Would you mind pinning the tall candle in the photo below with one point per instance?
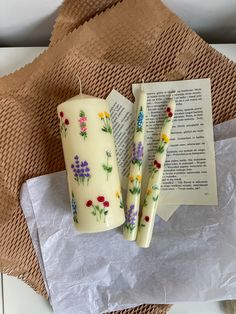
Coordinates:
(91, 165)
(135, 175)
(149, 209)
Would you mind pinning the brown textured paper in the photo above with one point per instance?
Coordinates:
(128, 42)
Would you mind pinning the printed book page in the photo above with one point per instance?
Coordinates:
(190, 176)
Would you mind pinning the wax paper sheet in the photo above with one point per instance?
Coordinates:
(191, 257)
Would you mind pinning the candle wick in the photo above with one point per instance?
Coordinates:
(80, 85)
(142, 87)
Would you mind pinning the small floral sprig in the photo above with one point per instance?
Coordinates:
(107, 167)
(164, 140)
(64, 122)
(99, 210)
(169, 115)
(136, 182)
(140, 120)
(119, 196)
(81, 170)
(74, 208)
(106, 119)
(137, 154)
(153, 192)
(149, 191)
(156, 167)
(82, 124)
(130, 218)
(143, 221)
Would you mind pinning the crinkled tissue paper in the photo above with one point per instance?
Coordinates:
(191, 258)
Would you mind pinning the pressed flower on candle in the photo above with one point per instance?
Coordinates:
(74, 208)
(81, 170)
(140, 120)
(130, 218)
(119, 196)
(169, 114)
(137, 154)
(64, 122)
(143, 221)
(136, 186)
(99, 210)
(83, 125)
(163, 141)
(155, 194)
(156, 167)
(101, 199)
(106, 166)
(106, 119)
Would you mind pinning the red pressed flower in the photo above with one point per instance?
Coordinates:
(170, 114)
(158, 165)
(147, 218)
(101, 198)
(89, 203)
(61, 114)
(106, 204)
(168, 109)
(66, 121)
(155, 162)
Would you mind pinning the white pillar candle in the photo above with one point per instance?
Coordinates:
(135, 175)
(90, 159)
(149, 209)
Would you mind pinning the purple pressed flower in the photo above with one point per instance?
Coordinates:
(137, 154)
(130, 216)
(80, 172)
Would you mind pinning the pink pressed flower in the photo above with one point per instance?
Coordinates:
(84, 129)
(82, 119)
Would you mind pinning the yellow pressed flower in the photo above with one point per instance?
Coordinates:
(107, 114)
(101, 115)
(117, 194)
(165, 138)
(131, 178)
(149, 191)
(139, 178)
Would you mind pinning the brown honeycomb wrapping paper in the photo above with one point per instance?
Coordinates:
(128, 41)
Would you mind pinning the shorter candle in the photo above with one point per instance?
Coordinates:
(149, 209)
(135, 175)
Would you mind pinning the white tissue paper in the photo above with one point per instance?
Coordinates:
(191, 258)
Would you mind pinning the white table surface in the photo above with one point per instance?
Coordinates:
(18, 298)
